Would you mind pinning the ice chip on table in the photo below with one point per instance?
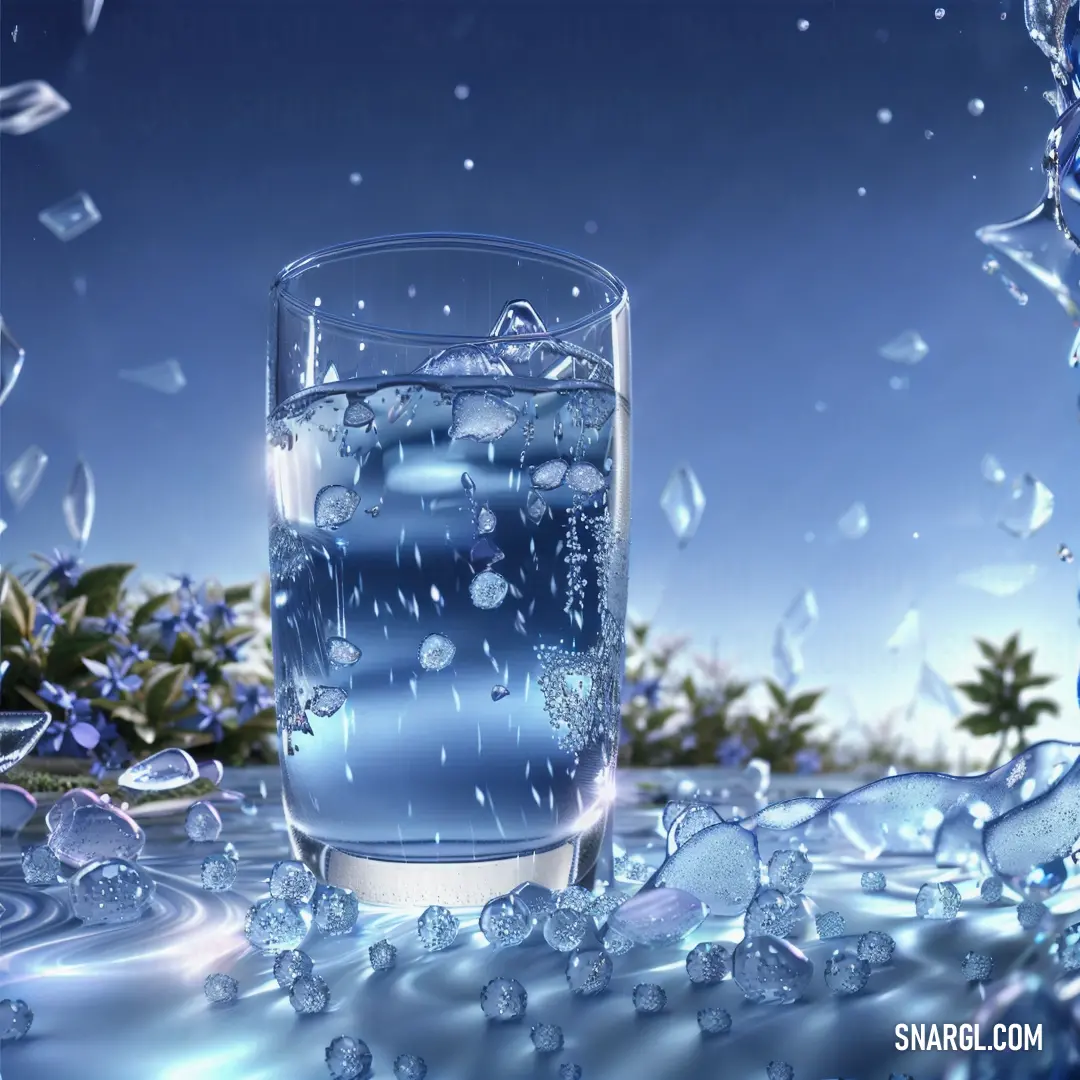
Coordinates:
(358, 413)
(40, 866)
(22, 476)
(217, 873)
(480, 416)
(1037, 832)
(547, 1038)
(96, 831)
(933, 689)
(166, 377)
(855, 522)
(905, 348)
(977, 967)
(17, 807)
(846, 972)
(505, 921)
(91, 12)
(220, 989)
(19, 734)
(549, 475)
(27, 106)
(409, 1067)
(658, 916)
(309, 995)
(503, 999)
(326, 700)
(875, 947)
(683, 503)
(588, 971)
(70, 217)
(437, 928)
(488, 590)
(272, 926)
(468, 360)
(830, 924)
(771, 912)
(518, 318)
(719, 866)
(770, 970)
(293, 881)
(110, 891)
(789, 871)
(348, 1058)
(12, 358)
(79, 503)
(713, 1021)
(436, 652)
(163, 771)
(202, 823)
(649, 998)
(342, 652)
(585, 478)
(336, 910)
(1030, 507)
(334, 506)
(289, 965)
(1005, 579)
(937, 900)
(906, 634)
(708, 963)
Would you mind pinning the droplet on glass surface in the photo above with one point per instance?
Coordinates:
(272, 926)
(163, 771)
(976, 106)
(336, 910)
(19, 734)
(12, 359)
(342, 651)
(683, 503)
(70, 217)
(348, 1058)
(217, 873)
(95, 832)
(436, 652)
(220, 989)
(293, 881)
(518, 318)
(334, 506)
(22, 476)
(39, 865)
(535, 507)
(326, 700)
(905, 348)
(708, 963)
(588, 971)
(1029, 508)
(505, 921)
(855, 522)
(16, 1018)
(202, 823)
(382, 955)
(585, 478)
(884, 116)
(358, 413)
(488, 590)
(27, 106)
(771, 970)
(498, 692)
(479, 360)
(504, 999)
(649, 998)
(289, 965)
(937, 900)
(110, 891)
(480, 416)
(547, 1038)
(437, 928)
(166, 377)
(658, 916)
(549, 475)
(718, 866)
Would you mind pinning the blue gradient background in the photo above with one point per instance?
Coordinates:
(718, 150)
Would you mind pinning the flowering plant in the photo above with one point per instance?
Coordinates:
(126, 671)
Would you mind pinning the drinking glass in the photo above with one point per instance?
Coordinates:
(449, 433)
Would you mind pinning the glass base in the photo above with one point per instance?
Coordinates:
(455, 884)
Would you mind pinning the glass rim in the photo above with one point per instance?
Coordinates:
(280, 293)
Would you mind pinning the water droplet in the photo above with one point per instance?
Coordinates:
(855, 522)
(658, 916)
(505, 921)
(342, 652)
(498, 692)
(488, 590)
(163, 771)
(976, 106)
(78, 504)
(334, 506)
(272, 926)
(1029, 508)
(326, 700)
(905, 348)
(884, 116)
(202, 823)
(549, 475)
(112, 891)
(683, 503)
(436, 652)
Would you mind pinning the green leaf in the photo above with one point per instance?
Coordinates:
(805, 703)
(162, 689)
(18, 608)
(977, 692)
(39, 703)
(238, 594)
(989, 651)
(148, 609)
(776, 692)
(102, 586)
(981, 724)
(129, 714)
(67, 648)
(73, 612)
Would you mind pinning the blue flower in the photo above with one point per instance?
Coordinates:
(689, 742)
(198, 686)
(221, 613)
(76, 732)
(192, 613)
(60, 569)
(185, 583)
(169, 626)
(114, 676)
(46, 623)
(649, 689)
(231, 652)
(251, 698)
(208, 718)
(116, 624)
(134, 653)
(807, 761)
(732, 752)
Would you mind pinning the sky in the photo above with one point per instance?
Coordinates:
(716, 152)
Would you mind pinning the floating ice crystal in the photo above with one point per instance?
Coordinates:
(875, 947)
(547, 1038)
(906, 633)
(166, 377)
(19, 734)
(708, 963)
(683, 503)
(505, 921)
(535, 507)
(768, 969)
(791, 632)
(347, 1058)
(1030, 507)
(518, 318)
(382, 955)
(78, 504)
(27, 106)
(846, 972)
(436, 652)
(22, 476)
(649, 998)
(437, 928)
(16, 1017)
(503, 999)
(855, 522)
(789, 871)
(977, 967)
(289, 965)
(937, 900)
(992, 471)
(111, 891)
(220, 989)
(218, 873)
(585, 478)
(488, 590)
(70, 217)
(714, 1021)
(905, 348)
(549, 475)
(336, 910)
(292, 881)
(485, 521)
(466, 360)
(358, 413)
(565, 929)
(342, 652)
(480, 416)
(326, 700)
(999, 580)
(334, 506)
(658, 916)
(12, 359)
(272, 926)
(498, 692)
(202, 823)
(163, 771)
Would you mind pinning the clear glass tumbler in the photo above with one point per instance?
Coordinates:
(449, 439)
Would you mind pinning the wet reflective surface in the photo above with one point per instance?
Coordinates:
(127, 1001)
